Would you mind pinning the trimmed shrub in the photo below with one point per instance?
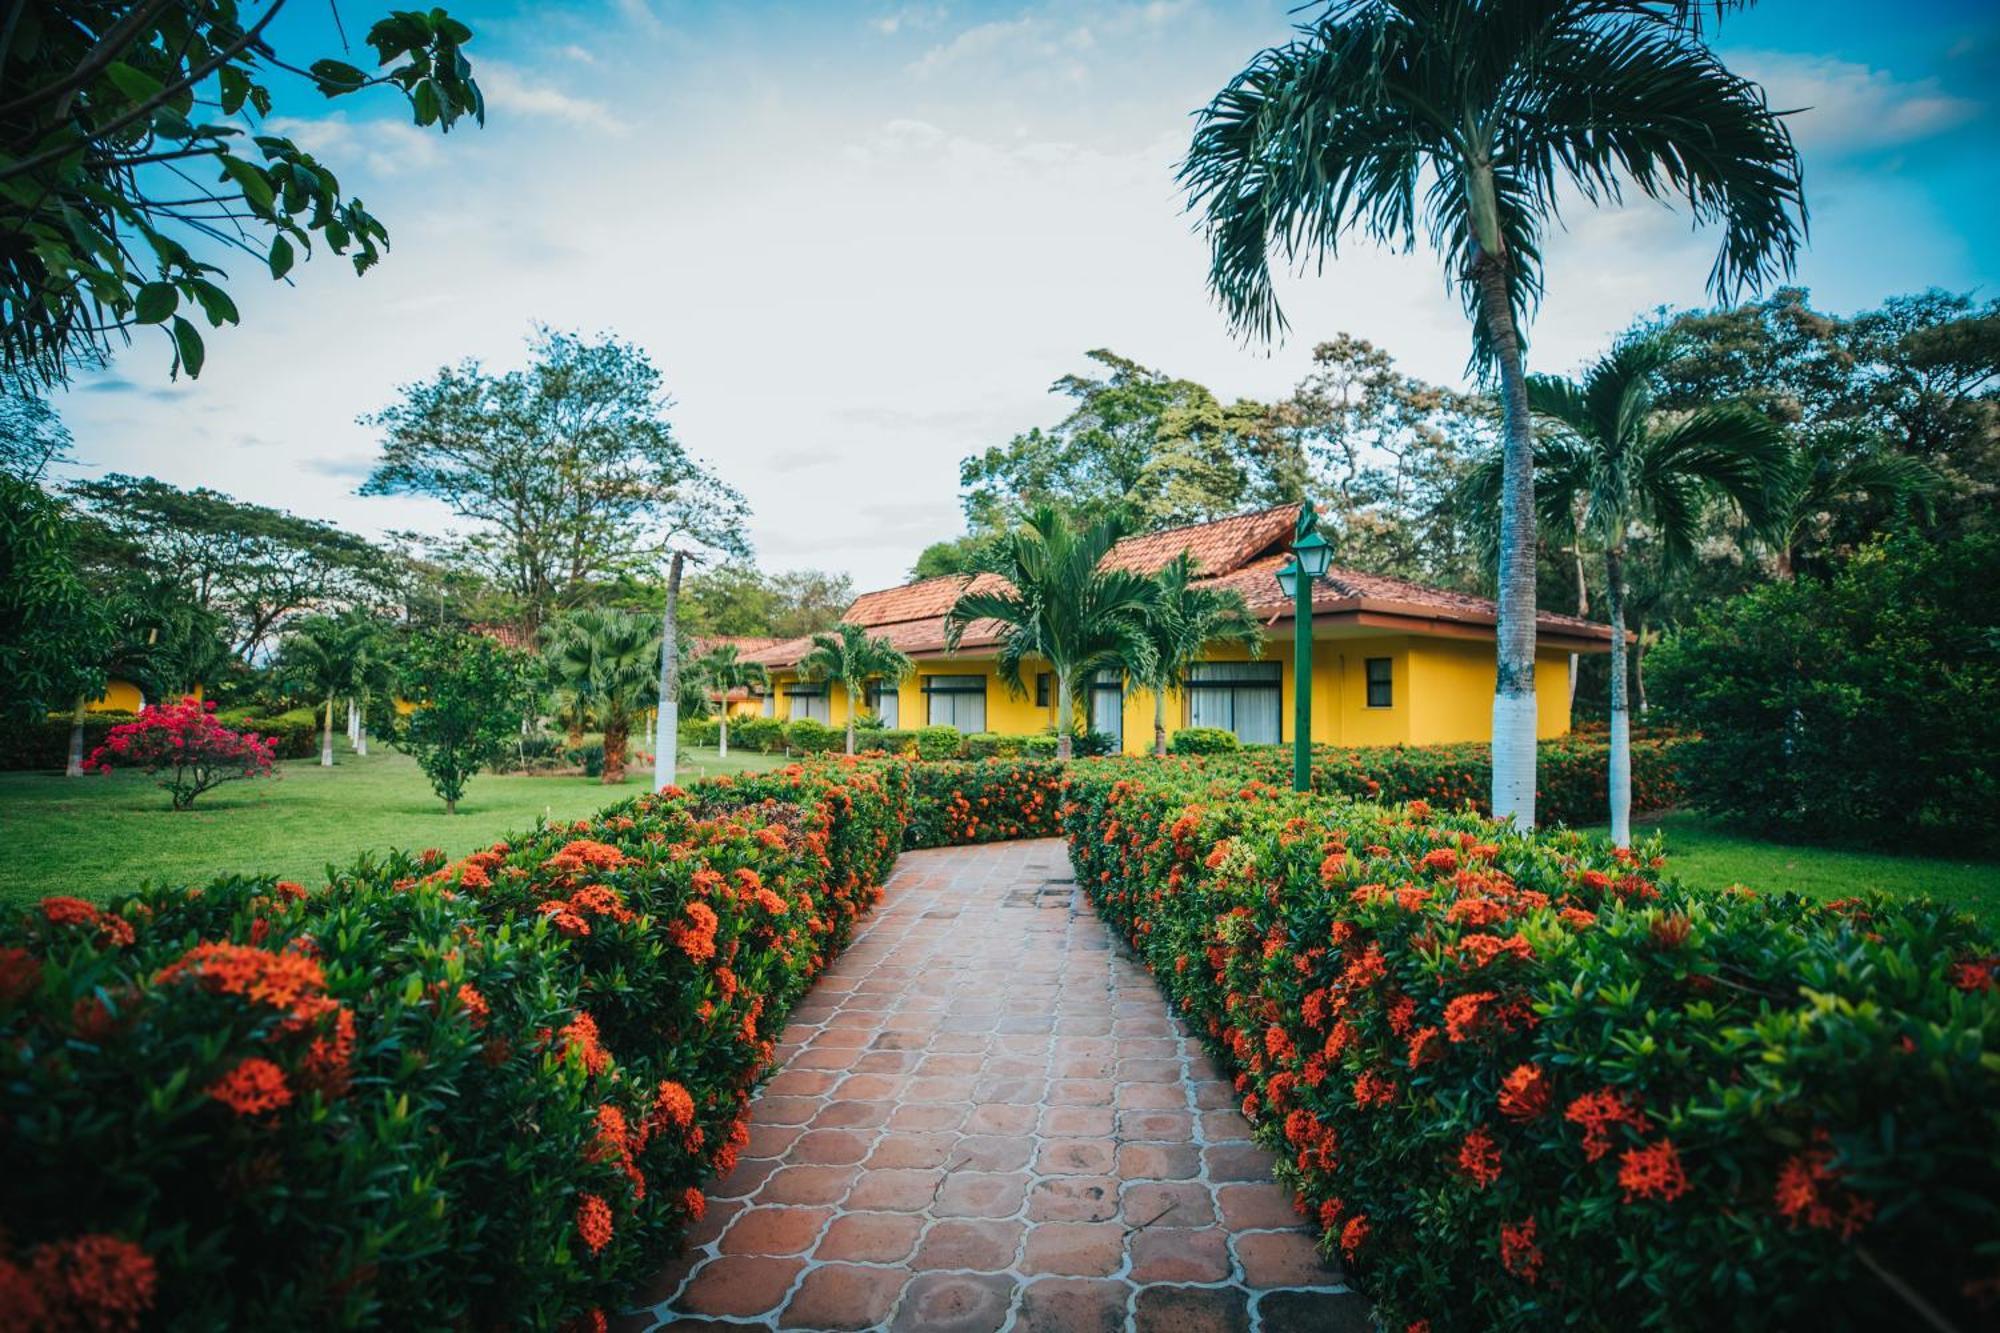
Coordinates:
(1203, 740)
(809, 736)
(939, 742)
(952, 804)
(43, 743)
(888, 740)
(704, 733)
(588, 756)
(1524, 1082)
(1038, 747)
(765, 735)
(992, 745)
(1861, 708)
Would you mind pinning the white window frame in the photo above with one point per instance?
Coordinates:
(962, 700)
(800, 702)
(1216, 701)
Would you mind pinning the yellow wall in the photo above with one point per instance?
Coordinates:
(120, 696)
(1441, 690)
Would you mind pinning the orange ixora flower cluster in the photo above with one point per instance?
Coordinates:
(1479, 1158)
(1519, 1254)
(109, 929)
(288, 982)
(1524, 1093)
(1597, 1112)
(98, 1283)
(695, 934)
(1652, 1172)
(254, 1087)
(593, 1222)
(1808, 1191)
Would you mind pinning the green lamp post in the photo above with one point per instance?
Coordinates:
(1310, 557)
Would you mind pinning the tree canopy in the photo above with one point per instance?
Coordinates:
(136, 149)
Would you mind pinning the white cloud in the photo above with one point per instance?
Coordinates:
(382, 147)
(1846, 108)
(509, 91)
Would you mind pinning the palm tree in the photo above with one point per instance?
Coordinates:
(723, 669)
(372, 670)
(1609, 467)
(1182, 619)
(605, 661)
(1463, 120)
(317, 655)
(1820, 476)
(853, 657)
(1062, 607)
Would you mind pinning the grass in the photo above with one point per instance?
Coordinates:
(1705, 852)
(100, 835)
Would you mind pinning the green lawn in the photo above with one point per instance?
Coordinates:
(1702, 851)
(98, 835)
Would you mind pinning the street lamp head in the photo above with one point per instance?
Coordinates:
(1288, 579)
(1312, 554)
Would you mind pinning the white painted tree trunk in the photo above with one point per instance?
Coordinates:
(1064, 717)
(74, 768)
(326, 737)
(1621, 715)
(361, 727)
(853, 706)
(1513, 795)
(722, 743)
(666, 727)
(353, 725)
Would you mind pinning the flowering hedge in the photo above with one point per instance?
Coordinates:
(479, 1093)
(954, 803)
(1525, 1082)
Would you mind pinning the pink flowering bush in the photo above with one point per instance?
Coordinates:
(183, 742)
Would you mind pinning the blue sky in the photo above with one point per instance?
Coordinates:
(860, 240)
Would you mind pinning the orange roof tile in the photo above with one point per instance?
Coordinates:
(1218, 547)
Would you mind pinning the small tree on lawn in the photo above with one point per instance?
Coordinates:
(607, 660)
(723, 670)
(853, 657)
(183, 741)
(470, 693)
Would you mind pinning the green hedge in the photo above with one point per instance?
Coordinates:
(1525, 1082)
(808, 736)
(1204, 740)
(476, 1094)
(43, 744)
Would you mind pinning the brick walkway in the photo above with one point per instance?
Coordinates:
(988, 1119)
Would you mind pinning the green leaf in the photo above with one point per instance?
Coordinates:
(281, 257)
(235, 89)
(136, 84)
(426, 101)
(336, 77)
(157, 300)
(252, 180)
(215, 303)
(187, 344)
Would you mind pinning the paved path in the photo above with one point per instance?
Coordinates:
(988, 1119)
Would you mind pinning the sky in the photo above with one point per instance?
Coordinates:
(861, 240)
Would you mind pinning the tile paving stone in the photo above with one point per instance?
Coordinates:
(986, 1119)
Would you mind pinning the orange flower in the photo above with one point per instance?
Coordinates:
(252, 1088)
(673, 1105)
(1519, 1254)
(1479, 1158)
(593, 1222)
(579, 1035)
(1462, 1014)
(1652, 1172)
(20, 975)
(1423, 1046)
(1597, 1112)
(1807, 1191)
(1354, 1235)
(102, 1283)
(475, 1005)
(695, 1204)
(1524, 1094)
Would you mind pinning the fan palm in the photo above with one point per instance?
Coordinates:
(1463, 120)
(723, 669)
(1182, 620)
(317, 655)
(1063, 607)
(850, 655)
(605, 661)
(1609, 467)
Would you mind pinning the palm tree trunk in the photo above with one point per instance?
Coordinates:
(666, 725)
(74, 768)
(852, 695)
(361, 727)
(1514, 678)
(1621, 717)
(722, 747)
(1160, 721)
(326, 737)
(1583, 613)
(1064, 718)
(353, 724)
(614, 752)
(1639, 666)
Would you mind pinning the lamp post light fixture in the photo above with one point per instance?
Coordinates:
(1310, 557)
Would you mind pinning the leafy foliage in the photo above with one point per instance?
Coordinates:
(1861, 707)
(853, 656)
(53, 630)
(183, 741)
(468, 695)
(608, 662)
(110, 180)
(1524, 1082)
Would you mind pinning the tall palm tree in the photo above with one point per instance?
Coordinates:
(1821, 475)
(1064, 607)
(372, 670)
(317, 655)
(1463, 120)
(1609, 467)
(722, 668)
(606, 661)
(850, 655)
(1182, 620)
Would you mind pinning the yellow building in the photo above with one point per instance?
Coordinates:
(120, 696)
(1394, 662)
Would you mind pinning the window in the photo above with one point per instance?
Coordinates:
(955, 701)
(1045, 683)
(808, 700)
(1239, 697)
(1381, 677)
(884, 703)
(1107, 707)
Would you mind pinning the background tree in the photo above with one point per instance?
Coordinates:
(1182, 620)
(722, 668)
(318, 657)
(852, 656)
(469, 694)
(956, 555)
(32, 436)
(251, 564)
(1610, 468)
(373, 672)
(117, 175)
(607, 661)
(567, 472)
(1484, 111)
(1061, 607)
(54, 630)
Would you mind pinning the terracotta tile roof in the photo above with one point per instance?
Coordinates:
(744, 643)
(1243, 552)
(1217, 548)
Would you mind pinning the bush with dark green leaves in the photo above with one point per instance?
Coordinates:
(1864, 707)
(765, 735)
(1203, 740)
(810, 736)
(940, 742)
